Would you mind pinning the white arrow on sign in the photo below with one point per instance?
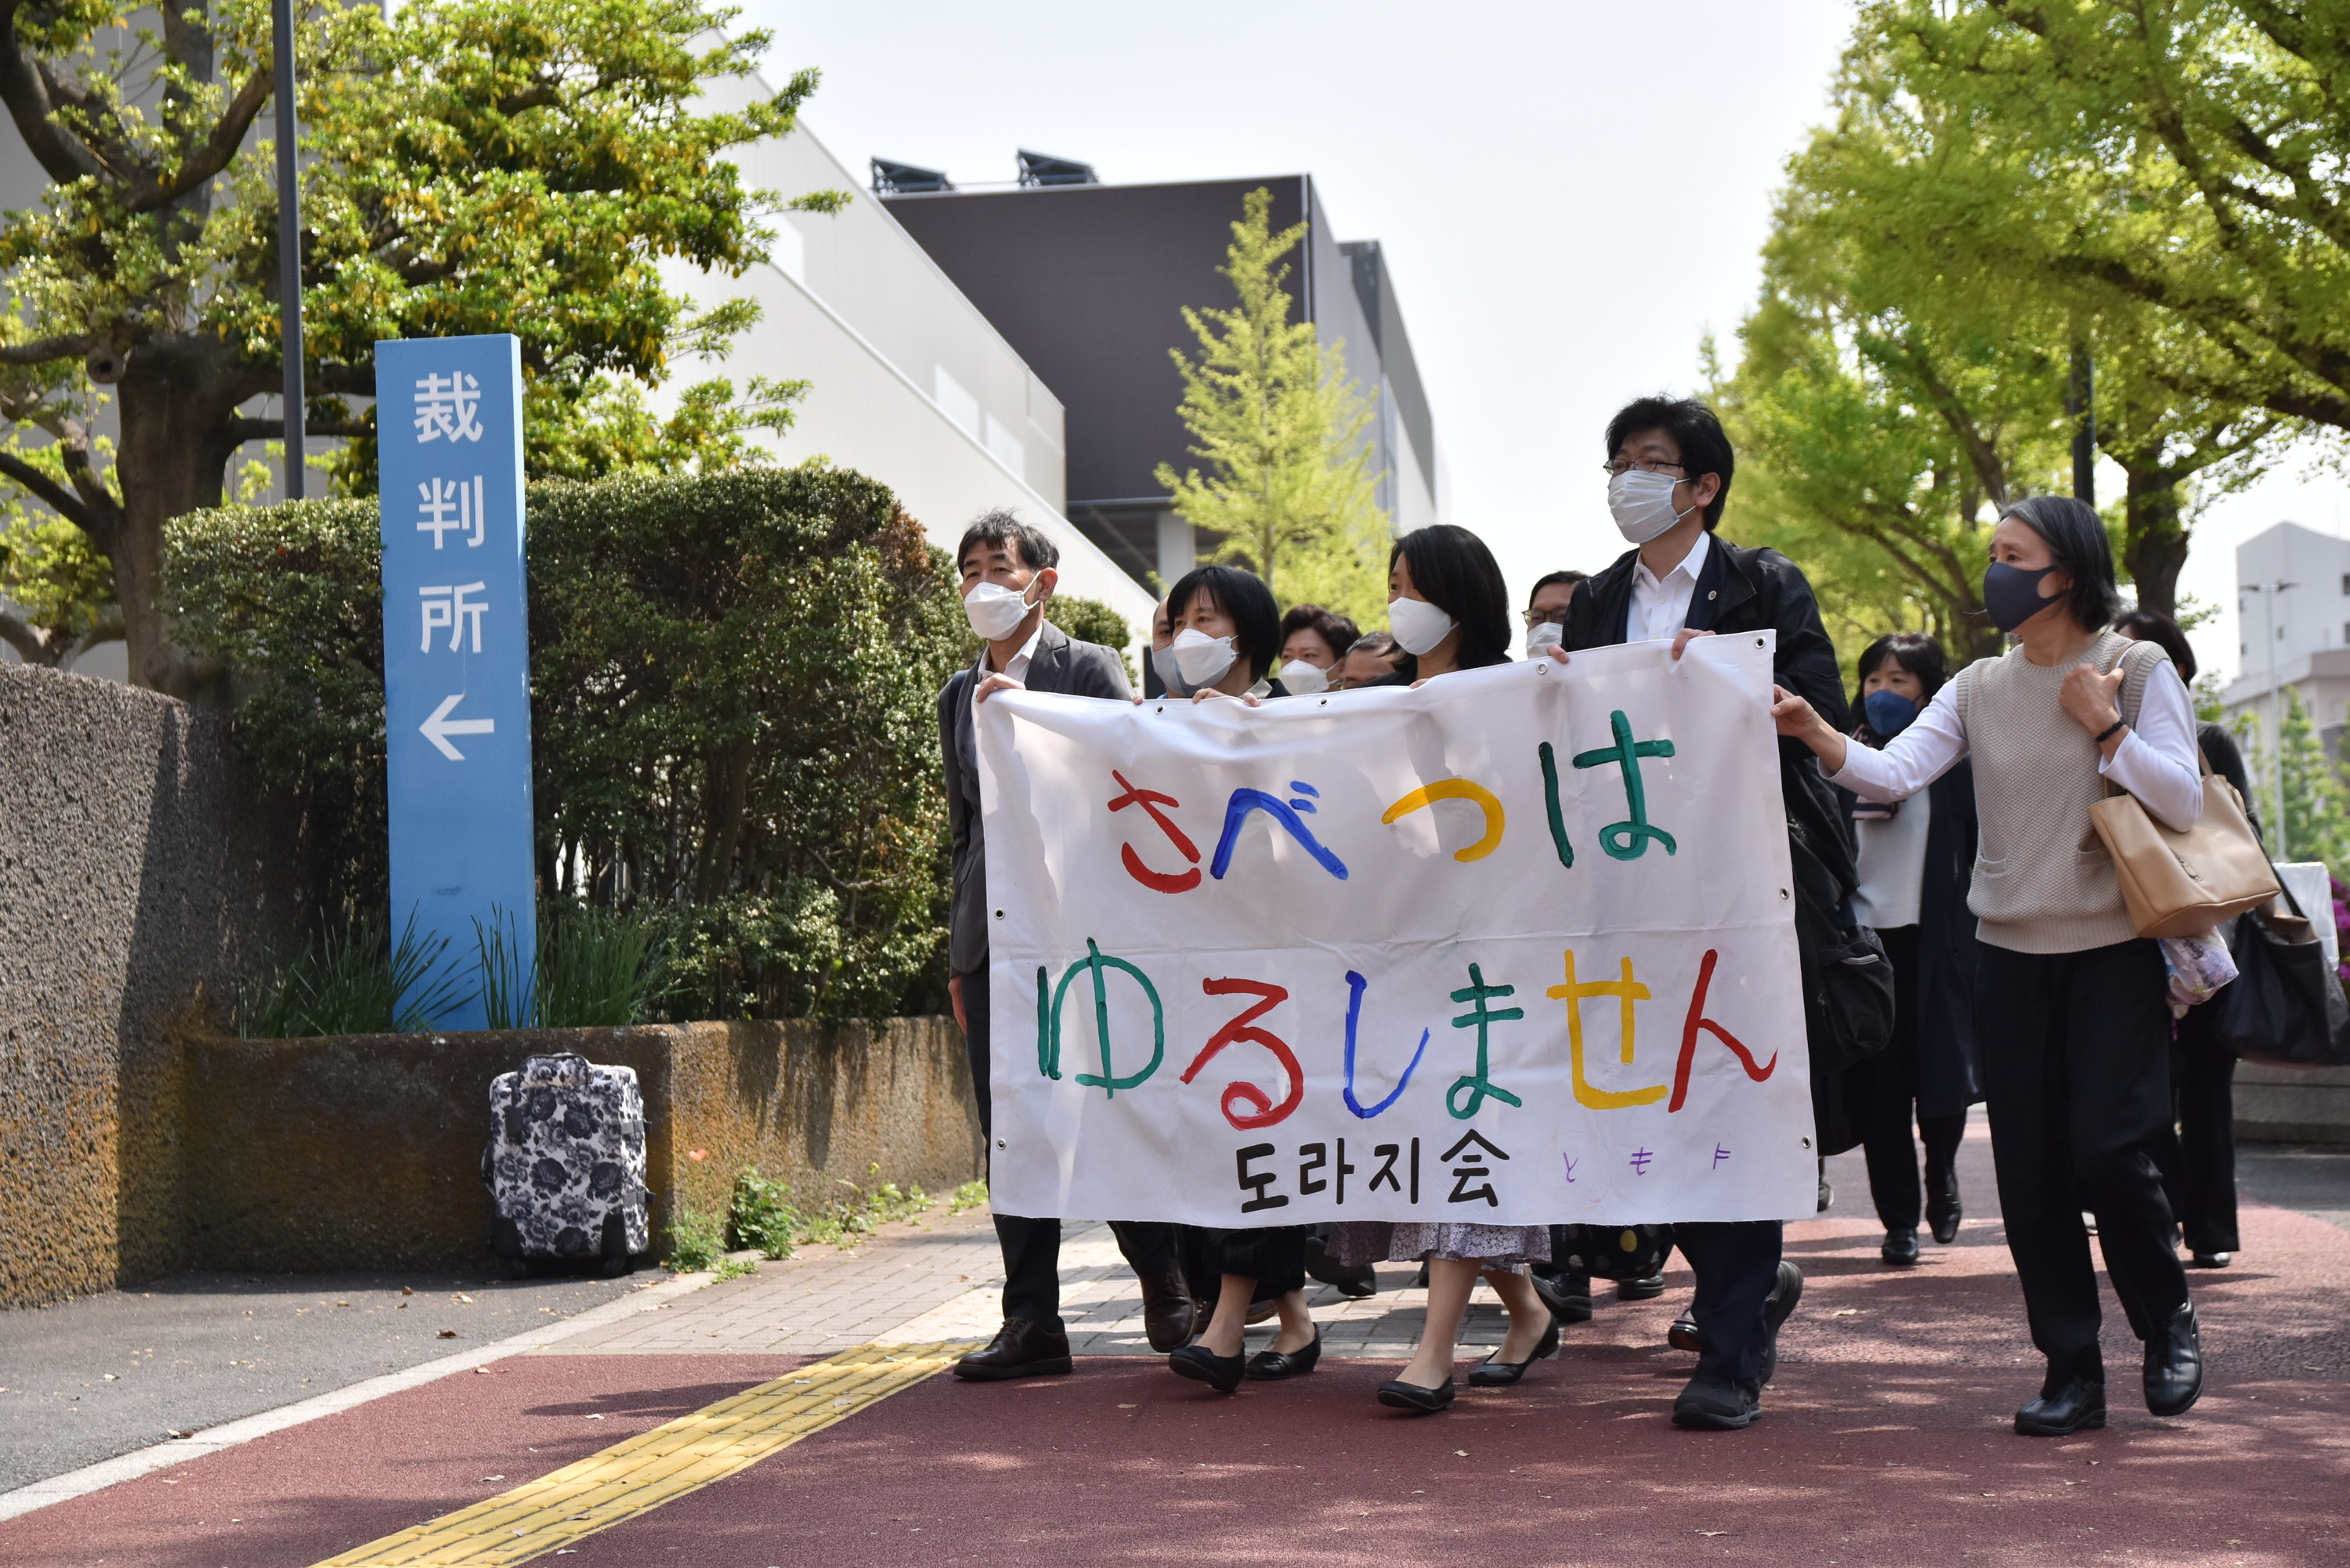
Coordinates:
(439, 727)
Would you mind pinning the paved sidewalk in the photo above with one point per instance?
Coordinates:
(86, 1380)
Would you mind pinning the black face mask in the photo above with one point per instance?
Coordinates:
(2012, 595)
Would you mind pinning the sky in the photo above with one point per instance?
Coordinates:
(1572, 196)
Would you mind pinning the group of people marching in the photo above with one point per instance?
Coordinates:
(1946, 813)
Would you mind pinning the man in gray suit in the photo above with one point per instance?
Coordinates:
(1007, 571)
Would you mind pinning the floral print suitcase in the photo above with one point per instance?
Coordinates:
(565, 1163)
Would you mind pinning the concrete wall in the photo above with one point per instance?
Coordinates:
(133, 890)
(2290, 1104)
(365, 1150)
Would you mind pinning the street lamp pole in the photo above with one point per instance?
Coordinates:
(2268, 592)
(289, 244)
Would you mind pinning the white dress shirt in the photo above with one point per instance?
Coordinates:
(1661, 606)
(2156, 760)
(1017, 666)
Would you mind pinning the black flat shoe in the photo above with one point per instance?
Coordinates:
(2210, 1259)
(2174, 1364)
(1496, 1373)
(1196, 1362)
(1398, 1395)
(1646, 1288)
(1683, 1335)
(1900, 1248)
(1353, 1281)
(1777, 1307)
(1020, 1349)
(1273, 1365)
(2076, 1405)
(1716, 1405)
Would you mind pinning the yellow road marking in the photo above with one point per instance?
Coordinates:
(659, 1466)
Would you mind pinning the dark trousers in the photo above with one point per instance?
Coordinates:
(1884, 1096)
(2198, 1168)
(2076, 1064)
(1032, 1246)
(1736, 1263)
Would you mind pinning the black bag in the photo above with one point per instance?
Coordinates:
(1612, 1251)
(1848, 979)
(2285, 1008)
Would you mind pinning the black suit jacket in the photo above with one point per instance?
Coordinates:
(1740, 590)
(1059, 664)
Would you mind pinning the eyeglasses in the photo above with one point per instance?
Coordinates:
(1536, 618)
(1645, 466)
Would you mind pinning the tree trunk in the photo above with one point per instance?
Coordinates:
(177, 410)
(2154, 543)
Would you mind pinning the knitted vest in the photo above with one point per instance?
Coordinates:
(2042, 881)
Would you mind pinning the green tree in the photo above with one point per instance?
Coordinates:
(1281, 431)
(472, 166)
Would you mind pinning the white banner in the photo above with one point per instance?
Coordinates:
(1514, 948)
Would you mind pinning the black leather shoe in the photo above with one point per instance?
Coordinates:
(1353, 1281)
(1900, 1248)
(1777, 1307)
(1196, 1362)
(1641, 1290)
(1566, 1293)
(1170, 1316)
(1496, 1373)
(2075, 1405)
(1020, 1349)
(1683, 1335)
(1943, 1210)
(1401, 1395)
(2210, 1259)
(2174, 1364)
(1273, 1365)
(1717, 1405)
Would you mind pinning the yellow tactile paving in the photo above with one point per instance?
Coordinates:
(656, 1467)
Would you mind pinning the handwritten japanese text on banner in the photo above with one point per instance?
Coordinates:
(1514, 948)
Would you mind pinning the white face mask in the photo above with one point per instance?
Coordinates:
(1545, 634)
(1418, 625)
(1643, 504)
(996, 611)
(1304, 680)
(1202, 659)
(1171, 674)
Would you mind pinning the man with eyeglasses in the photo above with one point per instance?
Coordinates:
(1545, 611)
(1669, 470)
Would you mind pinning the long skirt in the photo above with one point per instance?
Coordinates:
(1502, 1249)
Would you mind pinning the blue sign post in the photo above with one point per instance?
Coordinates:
(456, 669)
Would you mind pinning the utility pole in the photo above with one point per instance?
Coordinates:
(2080, 405)
(2268, 592)
(289, 244)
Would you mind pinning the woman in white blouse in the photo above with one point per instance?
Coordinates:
(2071, 1018)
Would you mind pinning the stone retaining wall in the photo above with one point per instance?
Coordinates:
(365, 1150)
(2288, 1105)
(135, 886)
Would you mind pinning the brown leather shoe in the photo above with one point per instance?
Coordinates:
(1020, 1349)
(1168, 1314)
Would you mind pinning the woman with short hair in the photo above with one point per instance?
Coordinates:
(1314, 641)
(2072, 1002)
(1450, 610)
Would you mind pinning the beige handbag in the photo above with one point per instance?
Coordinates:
(2177, 884)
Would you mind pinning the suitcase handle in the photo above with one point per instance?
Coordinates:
(560, 1057)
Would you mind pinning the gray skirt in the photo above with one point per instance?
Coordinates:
(1506, 1248)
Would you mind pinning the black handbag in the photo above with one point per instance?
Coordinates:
(2285, 1007)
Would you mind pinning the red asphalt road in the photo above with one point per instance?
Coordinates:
(1884, 1442)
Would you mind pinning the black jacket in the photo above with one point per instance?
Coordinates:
(1751, 590)
(1059, 664)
